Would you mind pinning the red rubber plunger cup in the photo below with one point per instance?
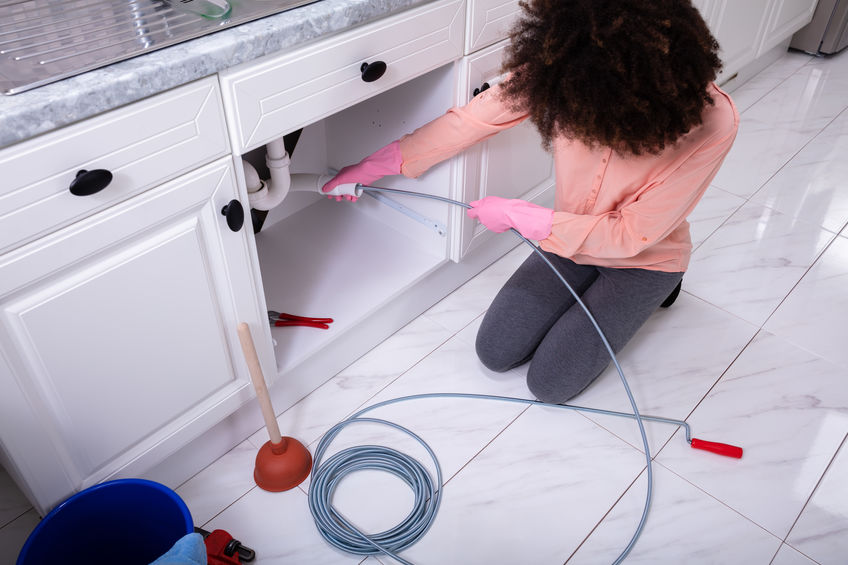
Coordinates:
(282, 463)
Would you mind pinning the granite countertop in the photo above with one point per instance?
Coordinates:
(48, 107)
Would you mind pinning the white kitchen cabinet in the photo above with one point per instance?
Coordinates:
(511, 164)
(285, 92)
(343, 260)
(489, 21)
(118, 310)
(785, 18)
(739, 28)
(118, 335)
(748, 30)
(142, 145)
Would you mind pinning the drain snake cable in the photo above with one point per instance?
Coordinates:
(326, 475)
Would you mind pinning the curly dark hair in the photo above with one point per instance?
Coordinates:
(626, 74)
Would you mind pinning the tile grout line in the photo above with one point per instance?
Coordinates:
(812, 493)
(798, 282)
(482, 449)
(721, 376)
(772, 89)
(604, 517)
(17, 517)
(795, 154)
(718, 500)
(224, 509)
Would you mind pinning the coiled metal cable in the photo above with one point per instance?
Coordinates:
(327, 475)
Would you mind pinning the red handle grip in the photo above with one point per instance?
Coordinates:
(721, 448)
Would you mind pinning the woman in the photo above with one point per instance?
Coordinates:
(622, 93)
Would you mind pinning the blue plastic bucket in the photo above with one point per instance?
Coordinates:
(127, 521)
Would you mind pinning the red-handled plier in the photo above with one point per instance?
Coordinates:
(280, 319)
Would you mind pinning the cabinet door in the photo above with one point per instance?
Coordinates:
(739, 28)
(787, 17)
(489, 21)
(118, 339)
(511, 164)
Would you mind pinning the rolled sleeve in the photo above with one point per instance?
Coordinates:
(456, 130)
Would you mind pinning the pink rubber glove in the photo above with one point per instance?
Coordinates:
(499, 214)
(385, 161)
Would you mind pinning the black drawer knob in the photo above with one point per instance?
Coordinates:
(482, 88)
(87, 183)
(372, 71)
(234, 213)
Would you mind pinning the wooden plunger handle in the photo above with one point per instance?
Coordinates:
(259, 383)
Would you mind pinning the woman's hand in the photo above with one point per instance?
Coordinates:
(500, 214)
(383, 162)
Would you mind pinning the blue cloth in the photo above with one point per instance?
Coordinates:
(189, 550)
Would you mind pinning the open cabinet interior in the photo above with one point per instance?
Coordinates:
(344, 260)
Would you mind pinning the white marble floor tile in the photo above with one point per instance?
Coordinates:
(473, 298)
(684, 525)
(813, 315)
(821, 532)
(231, 476)
(671, 363)
(532, 495)
(788, 409)
(781, 124)
(279, 527)
(218, 485)
(752, 261)
(456, 429)
(335, 400)
(13, 535)
(789, 556)
(813, 186)
(12, 501)
(768, 79)
(469, 332)
(714, 208)
(454, 367)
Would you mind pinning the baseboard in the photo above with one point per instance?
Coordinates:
(753, 68)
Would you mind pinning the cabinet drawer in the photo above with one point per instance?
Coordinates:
(289, 91)
(142, 145)
(489, 21)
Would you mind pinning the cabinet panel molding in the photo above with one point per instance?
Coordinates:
(119, 333)
(142, 145)
(287, 92)
(489, 21)
(786, 17)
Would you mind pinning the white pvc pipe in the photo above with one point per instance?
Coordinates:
(277, 187)
(276, 149)
(303, 182)
(251, 178)
(267, 195)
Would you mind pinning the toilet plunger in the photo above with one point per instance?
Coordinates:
(283, 462)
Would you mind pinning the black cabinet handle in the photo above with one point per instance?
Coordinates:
(372, 71)
(482, 88)
(235, 214)
(87, 183)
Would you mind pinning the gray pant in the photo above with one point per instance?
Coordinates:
(535, 317)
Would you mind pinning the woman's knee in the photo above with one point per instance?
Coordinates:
(494, 358)
(556, 386)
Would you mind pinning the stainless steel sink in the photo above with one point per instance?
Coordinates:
(42, 41)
